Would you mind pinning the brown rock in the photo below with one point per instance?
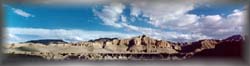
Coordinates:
(176, 47)
(124, 41)
(209, 44)
(115, 42)
(163, 44)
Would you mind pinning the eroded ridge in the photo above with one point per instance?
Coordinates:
(135, 48)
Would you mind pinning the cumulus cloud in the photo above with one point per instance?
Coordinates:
(67, 35)
(183, 26)
(175, 16)
(156, 16)
(166, 35)
(22, 13)
(110, 14)
(218, 26)
(160, 13)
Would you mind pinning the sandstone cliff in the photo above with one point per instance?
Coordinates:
(141, 46)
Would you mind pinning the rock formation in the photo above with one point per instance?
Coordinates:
(140, 47)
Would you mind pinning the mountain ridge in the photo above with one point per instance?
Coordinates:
(228, 47)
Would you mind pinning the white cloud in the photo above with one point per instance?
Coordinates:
(155, 33)
(110, 14)
(12, 38)
(22, 13)
(174, 16)
(222, 27)
(68, 35)
(135, 11)
(158, 15)
(123, 19)
(162, 12)
(166, 35)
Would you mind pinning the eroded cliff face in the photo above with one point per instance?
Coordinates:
(140, 44)
(137, 47)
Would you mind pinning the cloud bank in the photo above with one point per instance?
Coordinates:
(174, 17)
(18, 34)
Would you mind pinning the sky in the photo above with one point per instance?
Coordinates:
(181, 21)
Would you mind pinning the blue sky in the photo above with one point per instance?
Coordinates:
(26, 21)
(53, 17)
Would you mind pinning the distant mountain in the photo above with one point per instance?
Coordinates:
(230, 47)
(234, 38)
(46, 41)
(102, 39)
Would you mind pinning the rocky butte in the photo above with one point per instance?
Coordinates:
(135, 48)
